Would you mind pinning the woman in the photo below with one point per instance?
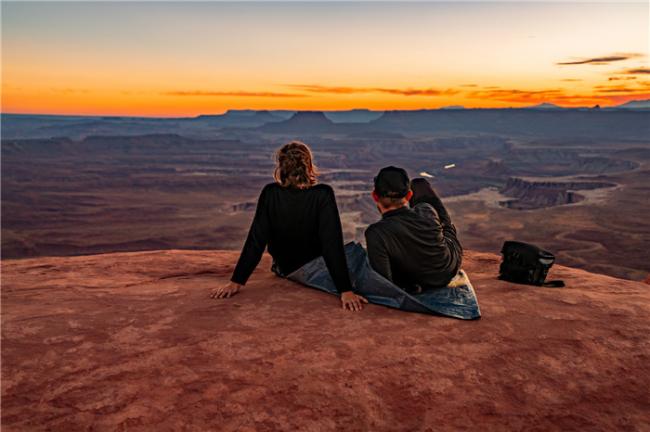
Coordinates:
(298, 220)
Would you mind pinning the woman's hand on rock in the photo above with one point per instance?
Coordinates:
(226, 291)
(352, 302)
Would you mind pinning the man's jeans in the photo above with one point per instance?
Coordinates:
(458, 302)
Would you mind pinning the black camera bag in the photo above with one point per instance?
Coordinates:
(526, 264)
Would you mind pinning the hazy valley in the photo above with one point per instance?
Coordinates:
(573, 181)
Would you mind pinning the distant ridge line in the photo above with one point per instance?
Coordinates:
(641, 105)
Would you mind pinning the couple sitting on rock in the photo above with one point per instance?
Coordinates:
(414, 245)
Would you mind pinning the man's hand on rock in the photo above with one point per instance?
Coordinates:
(352, 302)
(226, 291)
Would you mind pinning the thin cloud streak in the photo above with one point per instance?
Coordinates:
(315, 88)
(555, 95)
(515, 95)
(625, 90)
(200, 93)
(601, 60)
(629, 88)
(637, 71)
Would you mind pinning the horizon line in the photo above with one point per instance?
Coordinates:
(445, 108)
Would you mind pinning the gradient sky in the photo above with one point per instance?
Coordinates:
(180, 58)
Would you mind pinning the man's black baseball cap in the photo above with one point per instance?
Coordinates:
(392, 182)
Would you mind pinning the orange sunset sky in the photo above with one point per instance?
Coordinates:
(184, 59)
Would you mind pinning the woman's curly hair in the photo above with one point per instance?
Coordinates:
(295, 166)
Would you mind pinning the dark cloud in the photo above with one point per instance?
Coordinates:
(418, 92)
(516, 95)
(635, 86)
(614, 78)
(316, 88)
(619, 89)
(601, 60)
(233, 93)
(637, 71)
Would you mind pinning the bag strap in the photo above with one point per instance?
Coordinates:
(554, 284)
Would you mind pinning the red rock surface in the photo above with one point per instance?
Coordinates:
(131, 341)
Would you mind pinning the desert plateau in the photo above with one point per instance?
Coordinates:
(574, 181)
(281, 356)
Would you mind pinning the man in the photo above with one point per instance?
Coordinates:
(414, 247)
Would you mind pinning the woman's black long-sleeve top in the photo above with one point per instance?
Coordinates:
(297, 225)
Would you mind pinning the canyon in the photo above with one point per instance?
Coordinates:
(578, 188)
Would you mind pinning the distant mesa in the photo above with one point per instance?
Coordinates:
(248, 113)
(241, 118)
(540, 120)
(358, 115)
(266, 116)
(229, 113)
(635, 104)
(302, 121)
(453, 107)
(628, 120)
(239, 113)
(546, 106)
(316, 118)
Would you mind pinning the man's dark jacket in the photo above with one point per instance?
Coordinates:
(415, 247)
